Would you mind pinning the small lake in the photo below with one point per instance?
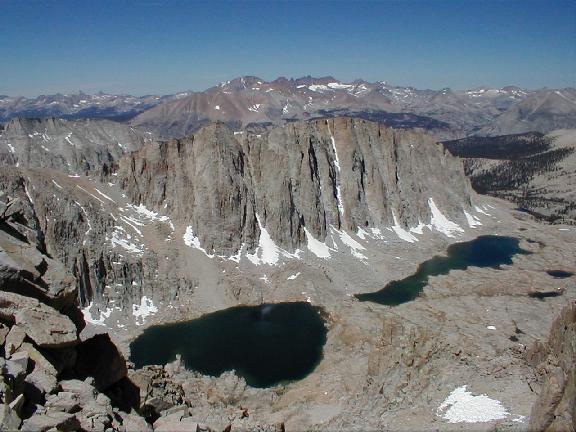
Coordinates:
(266, 345)
(484, 251)
(559, 274)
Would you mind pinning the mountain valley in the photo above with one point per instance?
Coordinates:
(293, 191)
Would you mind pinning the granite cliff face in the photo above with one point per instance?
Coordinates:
(555, 364)
(304, 177)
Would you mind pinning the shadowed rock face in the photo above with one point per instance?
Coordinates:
(345, 173)
(555, 360)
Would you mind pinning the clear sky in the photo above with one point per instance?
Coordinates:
(166, 46)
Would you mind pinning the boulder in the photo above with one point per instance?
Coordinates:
(43, 324)
(21, 358)
(9, 420)
(176, 422)
(83, 389)
(42, 381)
(3, 333)
(40, 362)
(183, 425)
(134, 423)
(17, 403)
(27, 271)
(42, 422)
(99, 358)
(14, 339)
(15, 370)
(63, 401)
(96, 415)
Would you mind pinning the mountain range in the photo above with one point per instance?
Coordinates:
(250, 101)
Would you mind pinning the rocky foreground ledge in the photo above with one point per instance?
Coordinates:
(54, 380)
(51, 380)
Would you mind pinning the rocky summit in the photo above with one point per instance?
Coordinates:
(106, 230)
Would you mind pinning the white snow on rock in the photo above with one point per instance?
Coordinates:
(144, 212)
(339, 86)
(479, 210)
(441, 223)
(418, 229)
(11, 147)
(56, 184)
(294, 276)
(361, 234)
(96, 321)
(354, 246)
(67, 138)
(105, 196)
(267, 251)
(143, 310)
(254, 107)
(318, 87)
(401, 232)
(316, 247)
(337, 164)
(192, 241)
(91, 194)
(121, 238)
(491, 327)
(217, 107)
(473, 221)
(462, 406)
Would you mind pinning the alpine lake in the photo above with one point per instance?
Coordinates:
(274, 344)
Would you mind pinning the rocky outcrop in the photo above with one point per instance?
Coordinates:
(68, 146)
(555, 362)
(344, 173)
(40, 346)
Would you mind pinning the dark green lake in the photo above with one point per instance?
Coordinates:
(266, 345)
(484, 251)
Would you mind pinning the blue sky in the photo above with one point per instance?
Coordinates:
(161, 47)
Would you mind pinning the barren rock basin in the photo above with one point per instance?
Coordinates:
(266, 344)
(484, 251)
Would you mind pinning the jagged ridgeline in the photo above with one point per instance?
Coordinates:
(299, 178)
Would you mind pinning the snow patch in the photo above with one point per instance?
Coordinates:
(463, 407)
(473, 221)
(267, 251)
(11, 147)
(105, 196)
(56, 184)
(337, 165)
(192, 241)
(354, 246)
(121, 238)
(418, 229)
(401, 232)
(96, 321)
(143, 310)
(441, 223)
(479, 210)
(91, 194)
(294, 276)
(316, 247)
